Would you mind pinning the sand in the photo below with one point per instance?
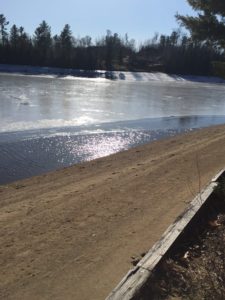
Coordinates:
(70, 234)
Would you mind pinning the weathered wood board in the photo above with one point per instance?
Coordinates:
(137, 277)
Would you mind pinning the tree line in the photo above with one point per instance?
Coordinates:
(175, 53)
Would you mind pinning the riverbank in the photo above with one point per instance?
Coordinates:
(70, 234)
(28, 153)
(64, 73)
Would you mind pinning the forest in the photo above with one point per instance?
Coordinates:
(178, 53)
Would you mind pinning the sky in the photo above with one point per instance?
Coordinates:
(141, 19)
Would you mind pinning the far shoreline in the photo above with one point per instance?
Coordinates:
(54, 72)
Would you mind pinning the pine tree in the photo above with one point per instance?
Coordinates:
(14, 36)
(209, 24)
(64, 42)
(66, 37)
(3, 31)
(43, 43)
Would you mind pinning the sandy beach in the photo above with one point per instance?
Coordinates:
(70, 234)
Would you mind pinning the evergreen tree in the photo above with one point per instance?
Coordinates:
(3, 31)
(64, 46)
(14, 36)
(66, 37)
(43, 43)
(25, 47)
(209, 24)
(20, 46)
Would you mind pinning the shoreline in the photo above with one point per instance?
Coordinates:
(63, 73)
(71, 233)
(28, 153)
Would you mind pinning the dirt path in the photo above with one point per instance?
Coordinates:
(70, 234)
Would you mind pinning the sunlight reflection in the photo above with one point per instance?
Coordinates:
(98, 145)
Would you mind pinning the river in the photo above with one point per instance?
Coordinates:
(51, 122)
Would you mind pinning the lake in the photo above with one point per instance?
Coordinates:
(48, 122)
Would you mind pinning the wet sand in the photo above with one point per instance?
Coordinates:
(70, 234)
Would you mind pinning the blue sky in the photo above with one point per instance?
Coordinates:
(139, 18)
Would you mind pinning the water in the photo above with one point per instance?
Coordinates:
(33, 103)
(49, 123)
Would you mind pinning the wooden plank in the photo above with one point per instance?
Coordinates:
(174, 230)
(137, 277)
(131, 285)
(217, 176)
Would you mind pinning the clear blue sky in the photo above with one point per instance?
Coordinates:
(139, 18)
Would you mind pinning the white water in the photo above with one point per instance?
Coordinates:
(49, 72)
